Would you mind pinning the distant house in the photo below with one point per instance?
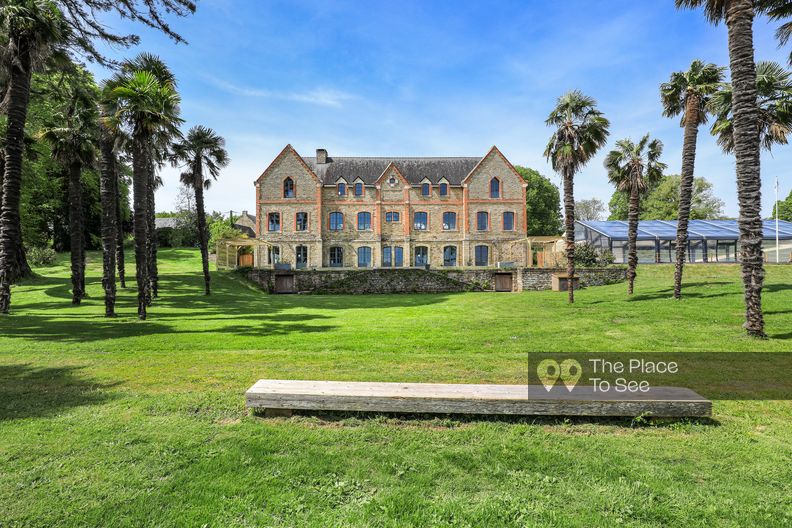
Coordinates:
(166, 223)
(246, 223)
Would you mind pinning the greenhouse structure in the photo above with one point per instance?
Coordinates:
(708, 240)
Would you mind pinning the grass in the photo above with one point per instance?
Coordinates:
(128, 423)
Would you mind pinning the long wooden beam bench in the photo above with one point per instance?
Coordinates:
(280, 397)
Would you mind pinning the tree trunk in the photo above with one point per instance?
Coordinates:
(569, 224)
(686, 187)
(152, 234)
(203, 236)
(140, 205)
(12, 260)
(76, 232)
(632, 238)
(107, 191)
(739, 20)
(119, 230)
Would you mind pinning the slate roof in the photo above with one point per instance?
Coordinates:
(414, 170)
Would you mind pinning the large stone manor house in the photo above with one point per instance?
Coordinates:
(356, 212)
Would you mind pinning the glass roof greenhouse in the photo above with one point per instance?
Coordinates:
(708, 240)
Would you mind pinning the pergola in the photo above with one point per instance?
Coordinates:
(228, 251)
(546, 254)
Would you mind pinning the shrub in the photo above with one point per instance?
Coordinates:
(588, 256)
(41, 256)
(220, 230)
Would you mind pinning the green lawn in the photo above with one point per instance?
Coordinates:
(128, 423)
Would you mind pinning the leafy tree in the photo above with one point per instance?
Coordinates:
(201, 154)
(662, 202)
(738, 16)
(784, 209)
(542, 203)
(687, 94)
(589, 209)
(580, 131)
(631, 167)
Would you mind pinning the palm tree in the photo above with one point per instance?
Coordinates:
(633, 168)
(774, 102)
(32, 27)
(120, 231)
(688, 93)
(146, 107)
(580, 131)
(201, 152)
(73, 146)
(739, 16)
(109, 198)
(781, 10)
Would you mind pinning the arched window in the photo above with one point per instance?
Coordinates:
(450, 256)
(425, 189)
(482, 255)
(336, 221)
(288, 188)
(364, 257)
(443, 189)
(358, 189)
(341, 189)
(364, 221)
(336, 257)
(494, 188)
(420, 221)
(421, 256)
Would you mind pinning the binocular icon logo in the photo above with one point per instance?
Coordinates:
(549, 370)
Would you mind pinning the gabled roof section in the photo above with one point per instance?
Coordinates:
(287, 151)
(493, 151)
(413, 170)
(392, 168)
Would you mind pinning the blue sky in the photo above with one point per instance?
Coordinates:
(441, 78)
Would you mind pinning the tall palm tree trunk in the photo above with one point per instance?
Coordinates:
(140, 205)
(12, 259)
(202, 234)
(739, 21)
(569, 224)
(632, 238)
(686, 188)
(76, 232)
(119, 231)
(107, 192)
(152, 235)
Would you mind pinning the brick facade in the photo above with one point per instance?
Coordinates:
(352, 227)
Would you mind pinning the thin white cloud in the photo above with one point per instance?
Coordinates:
(318, 96)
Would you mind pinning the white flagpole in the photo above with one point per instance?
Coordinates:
(778, 258)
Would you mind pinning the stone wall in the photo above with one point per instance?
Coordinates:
(414, 280)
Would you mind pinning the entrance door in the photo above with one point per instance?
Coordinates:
(284, 283)
(503, 282)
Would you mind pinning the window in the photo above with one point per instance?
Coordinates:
(482, 255)
(301, 259)
(358, 189)
(364, 257)
(364, 221)
(301, 222)
(482, 220)
(425, 189)
(273, 255)
(398, 256)
(421, 256)
(494, 188)
(288, 188)
(443, 189)
(449, 221)
(336, 257)
(420, 221)
(392, 217)
(387, 256)
(341, 189)
(336, 221)
(450, 256)
(508, 221)
(273, 221)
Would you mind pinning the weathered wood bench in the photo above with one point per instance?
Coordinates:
(280, 397)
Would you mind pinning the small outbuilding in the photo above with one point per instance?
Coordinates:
(708, 240)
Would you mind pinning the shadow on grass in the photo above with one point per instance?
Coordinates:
(27, 391)
(454, 420)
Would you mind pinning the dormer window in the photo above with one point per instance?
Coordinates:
(444, 189)
(358, 189)
(425, 189)
(494, 188)
(341, 189)
(288, 188)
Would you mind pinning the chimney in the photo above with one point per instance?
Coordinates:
(244, 213)
(321, 156)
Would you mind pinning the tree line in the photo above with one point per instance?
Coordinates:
(127, 125)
